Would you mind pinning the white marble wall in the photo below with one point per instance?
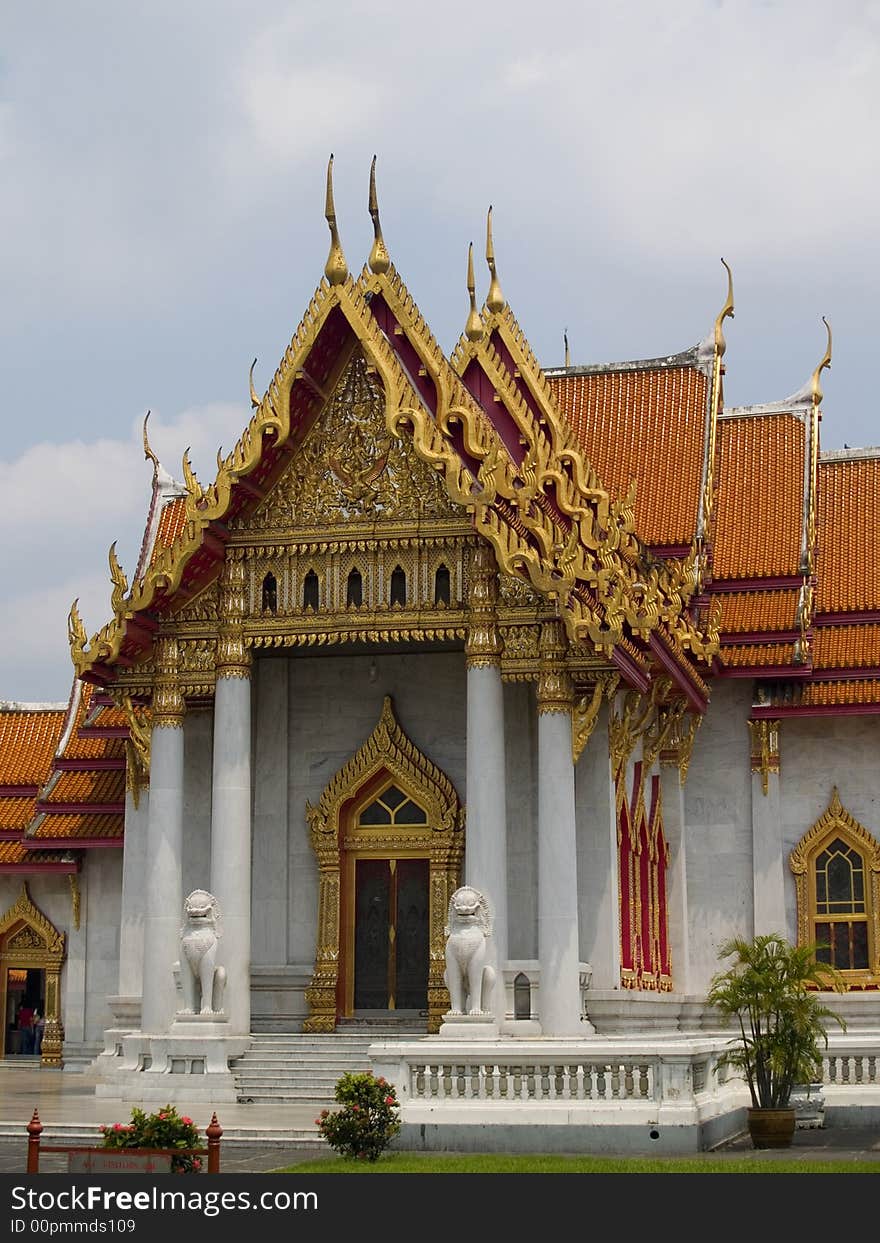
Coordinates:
(817, 753)
(718, 827)
(598, 914)
(197, 759)
(521, 744)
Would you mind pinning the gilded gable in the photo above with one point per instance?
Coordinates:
(349, 468)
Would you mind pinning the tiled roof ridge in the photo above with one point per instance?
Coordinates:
(691, 357)
(14, 705)
(849, 455)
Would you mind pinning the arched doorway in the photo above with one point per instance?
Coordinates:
(32, 947)
(388, 834)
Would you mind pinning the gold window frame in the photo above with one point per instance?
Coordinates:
(836, 821)
(29, 940)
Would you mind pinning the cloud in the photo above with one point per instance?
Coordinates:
(63, 505)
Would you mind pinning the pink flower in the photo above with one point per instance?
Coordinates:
(161, 1115)
(389, 1100)
(355, 1108)
(187, 1121)
(197, 1165)
(102, 1127)
(117, 1126)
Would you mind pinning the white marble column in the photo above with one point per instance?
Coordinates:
(231, 804)
(131, 923)
(768, 866)
(162, 877)
(558, 945)
(486, 845)
(598, 858)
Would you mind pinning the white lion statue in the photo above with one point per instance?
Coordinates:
(201, 978)
(469, 975)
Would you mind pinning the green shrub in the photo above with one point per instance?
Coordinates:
(164, 1129)
(368, 1121)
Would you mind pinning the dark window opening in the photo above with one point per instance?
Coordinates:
(398, 586)
(270, 594)
(522, 996)
(442, 586)
(354, 592)
(311, 591)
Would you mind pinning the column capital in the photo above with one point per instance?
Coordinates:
(233, 656)
(168, 708)
(484, 644)
(555, 689)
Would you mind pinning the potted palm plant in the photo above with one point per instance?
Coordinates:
(771, 991)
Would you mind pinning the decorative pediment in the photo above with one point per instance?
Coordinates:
(388, 749)
(349, 468)
(25, 929)
(835, 819)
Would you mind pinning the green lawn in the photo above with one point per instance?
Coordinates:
(503, 1163)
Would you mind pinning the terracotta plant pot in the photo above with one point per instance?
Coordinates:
(771, 1128)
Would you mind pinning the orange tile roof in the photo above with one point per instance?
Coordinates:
(848, 561)
(744, 612)
(16, 813)
(16, 854)
(846, 647)
(745, 654)
(89, 787)
(172, 520)
(94, 748)
(75, 825)
(646, 424)
(841, 692)
(759, 505)
(27, 744)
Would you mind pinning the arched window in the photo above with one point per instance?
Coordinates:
(522, 996)
(834, 865)
(398, 586)
(270, 594)
(354, 591)
(442, 586)
(392, 807)
(311, 591)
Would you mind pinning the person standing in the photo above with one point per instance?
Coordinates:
(38, 1026)
(26, 1027)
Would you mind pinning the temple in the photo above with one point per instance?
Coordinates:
(580, 637)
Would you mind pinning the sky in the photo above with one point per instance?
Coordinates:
(161, 221)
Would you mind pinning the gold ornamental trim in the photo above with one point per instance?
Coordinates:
(338, 839)
(555, 687)
(31, 941)
(168, 707)
(484, 644)
(585, 713)
(765, 750)
(837, 821)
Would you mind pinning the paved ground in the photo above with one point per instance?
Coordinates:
(71, 1113)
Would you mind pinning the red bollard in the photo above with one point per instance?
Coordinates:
(213, 1131)
(34, 1130)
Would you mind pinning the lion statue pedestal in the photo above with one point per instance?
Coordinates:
(202, 979)
(470, 970)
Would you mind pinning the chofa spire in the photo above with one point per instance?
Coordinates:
(725, 313)
(494, 298)
(473, 329)
(379, 260)
(815, 386)
(335, 269)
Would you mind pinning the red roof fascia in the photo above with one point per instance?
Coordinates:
(768, 711)
(733, 638)
(846, 619)
(72, 843)
(7, 869)
(86, 766)
(633, 675)
(19, 791)
(108, 731)
(763, 672)
(756, 584)
(848, 674)
(678, 672)
(76, 809)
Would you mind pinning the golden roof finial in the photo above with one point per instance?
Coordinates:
(255, 401)
(473, 329)
(565, 340)
(379, 260)
(335, 269)
(726, 310)
(815, 386)
(148, 452)
(494, 298)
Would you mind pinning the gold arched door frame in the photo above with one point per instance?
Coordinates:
(337, 837)
(29, 941)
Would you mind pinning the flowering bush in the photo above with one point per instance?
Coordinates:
(368, 1121)
(165, 1129)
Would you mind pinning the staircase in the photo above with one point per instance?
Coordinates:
(301, 1067)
